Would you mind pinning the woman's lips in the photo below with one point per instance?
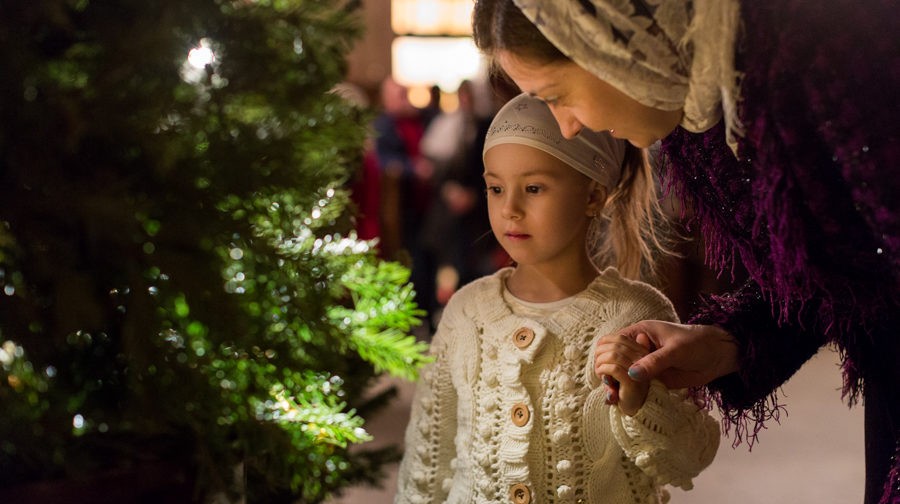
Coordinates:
(517, 236)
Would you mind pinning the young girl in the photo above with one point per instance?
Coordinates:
(512, 409)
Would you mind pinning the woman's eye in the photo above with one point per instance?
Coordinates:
(532, 189)
(492, 190)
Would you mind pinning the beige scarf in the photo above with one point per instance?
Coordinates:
(663, 53)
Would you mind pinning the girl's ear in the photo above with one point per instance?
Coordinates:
(596, 199)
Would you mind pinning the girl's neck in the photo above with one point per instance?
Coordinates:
(544, 284)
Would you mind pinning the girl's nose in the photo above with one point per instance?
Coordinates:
(511, 208)
(569, 126)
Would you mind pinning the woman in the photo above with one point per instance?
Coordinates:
(778, 126)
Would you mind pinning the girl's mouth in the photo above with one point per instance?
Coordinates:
(517, 236)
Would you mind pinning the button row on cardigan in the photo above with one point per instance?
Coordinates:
(519, 494)
(520, 414)
(523, 337)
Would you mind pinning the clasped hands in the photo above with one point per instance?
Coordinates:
(679, 355)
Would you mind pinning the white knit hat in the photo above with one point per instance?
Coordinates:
(528, 121)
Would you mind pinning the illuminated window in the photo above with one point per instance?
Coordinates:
(432, 17)
(445, 61)
(433, 44)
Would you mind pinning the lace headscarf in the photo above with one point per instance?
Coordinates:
(666, 54)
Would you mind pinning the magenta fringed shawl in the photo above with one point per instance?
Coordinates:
(810, 206)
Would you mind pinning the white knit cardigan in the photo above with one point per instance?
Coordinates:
(463, 444)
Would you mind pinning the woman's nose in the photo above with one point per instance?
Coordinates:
(569, 126)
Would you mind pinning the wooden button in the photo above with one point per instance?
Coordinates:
(520, 414)
(519, 494)
(523, 337)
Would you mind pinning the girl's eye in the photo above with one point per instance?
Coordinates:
(492, 190)
(532, 189)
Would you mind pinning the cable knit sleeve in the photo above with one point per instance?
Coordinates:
(425, 471)
(670, 438)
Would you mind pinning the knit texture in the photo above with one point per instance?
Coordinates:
(463, 445)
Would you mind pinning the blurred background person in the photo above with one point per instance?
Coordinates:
(406, 186)
(455, 240)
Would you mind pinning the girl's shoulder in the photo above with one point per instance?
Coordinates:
(611, 287)
(483, 292)
(610, 278)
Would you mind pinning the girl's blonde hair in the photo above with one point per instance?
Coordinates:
(632, 232)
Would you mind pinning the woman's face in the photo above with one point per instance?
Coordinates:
(579, 99)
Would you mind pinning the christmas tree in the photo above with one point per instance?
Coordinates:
(180, 286)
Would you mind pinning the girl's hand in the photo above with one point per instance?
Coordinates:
(613, 355)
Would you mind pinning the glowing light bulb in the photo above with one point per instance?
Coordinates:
(201, 56)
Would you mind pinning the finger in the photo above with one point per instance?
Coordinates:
(616, 374)
(651, 365)
(611, 386)
(617, 369)
(620, 344)
(644, 340)
(609, 381)
(618, 355)
(612, 396)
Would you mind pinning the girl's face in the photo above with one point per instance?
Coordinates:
(539, 207)
(579, 99)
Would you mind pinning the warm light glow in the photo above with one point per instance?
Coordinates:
(431, 17)
(449, 102)
(419, 96)
(425, 61)
(199, 57)
(194, 69)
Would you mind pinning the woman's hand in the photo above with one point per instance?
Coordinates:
(681, 355)
(613, 355)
